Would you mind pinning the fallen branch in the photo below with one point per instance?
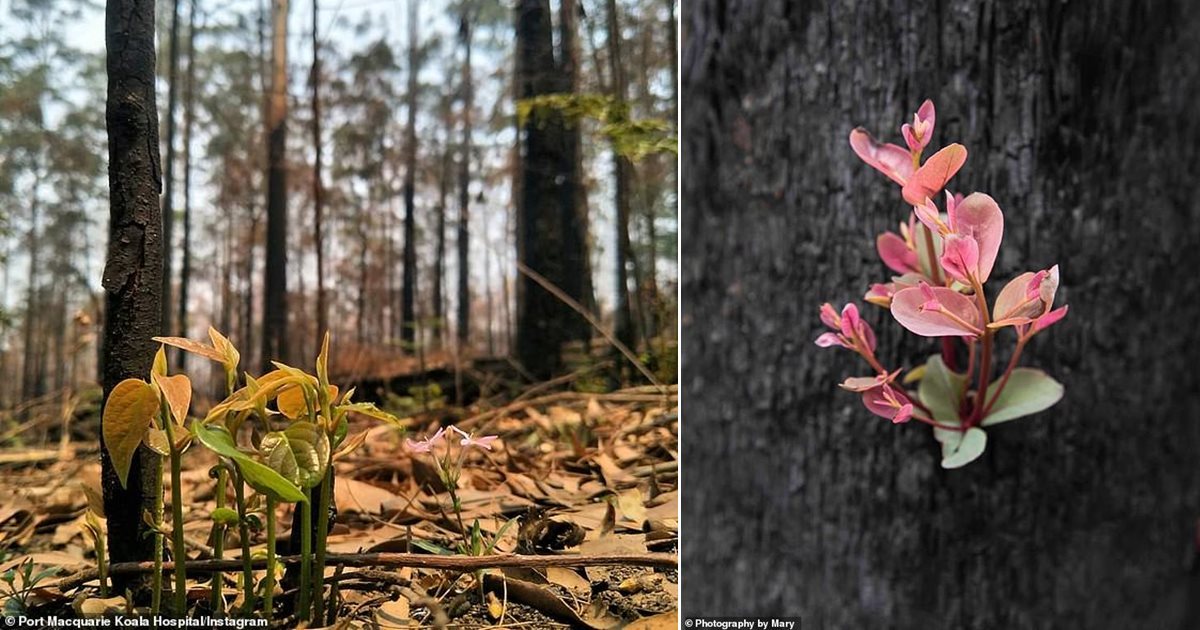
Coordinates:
(393, 560)
(575, 306)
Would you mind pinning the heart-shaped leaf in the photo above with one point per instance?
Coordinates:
(229, 354)
(177, 390)
(291, 401)
(156, 440)
(300, 453)
(1028, 391)
(260, 476)
(970, 447)
(127, 416)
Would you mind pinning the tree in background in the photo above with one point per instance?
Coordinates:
(275, 311)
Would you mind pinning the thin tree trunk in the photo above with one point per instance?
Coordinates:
(133, 269)
(464, 186)
(439, 279)
(185, 270)
(275, 319)
(318, 185)
(1076, 116)
(31, 385)
(409, 288)
(622, 169)
(168, 199)
(575, 218)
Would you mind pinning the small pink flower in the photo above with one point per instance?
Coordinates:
(426, 445)
(931, 178)
(936, 312)
(888, 402)
(468, 441)
(828, 340)
(918, 134)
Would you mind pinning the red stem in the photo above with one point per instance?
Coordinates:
(985, 363)
(1012, 364)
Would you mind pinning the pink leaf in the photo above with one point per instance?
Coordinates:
(1049, 319)
(960, 258)
(896, 253)
(931, 178)
(950, 313)
(889, 159)
(979, 217)
(1013, 306)
(828, 340)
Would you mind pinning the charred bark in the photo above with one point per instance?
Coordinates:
(133, 268)
(1081, 122)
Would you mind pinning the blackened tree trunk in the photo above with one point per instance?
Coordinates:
(133, 269)
(546, 206)
(185, 268)
(575, 249)
(439, 276)
(1080, 120)
(464, 184)
(408, 297)
(168, 199)
(274, 333)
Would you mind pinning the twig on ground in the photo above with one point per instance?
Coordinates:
(415, 560)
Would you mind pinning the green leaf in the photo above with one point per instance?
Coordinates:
(941, 391)
(1028, 391)
(300, 453)
(127, 417)
(371, 411)
(258, 475)
(225, 516)
(970, 447)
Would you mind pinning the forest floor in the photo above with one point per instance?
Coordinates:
(582, 474)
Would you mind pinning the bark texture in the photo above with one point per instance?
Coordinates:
(133, 269)
(1080, 120)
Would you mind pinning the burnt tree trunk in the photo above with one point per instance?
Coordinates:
(185, 269)
(546, 209)
(464, 184)
(408, 319)
(133, 269)
(274, 333)
(1080, 120)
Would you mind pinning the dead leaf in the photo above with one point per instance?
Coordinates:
(665, 621)
(568, 579)
(395, 613)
